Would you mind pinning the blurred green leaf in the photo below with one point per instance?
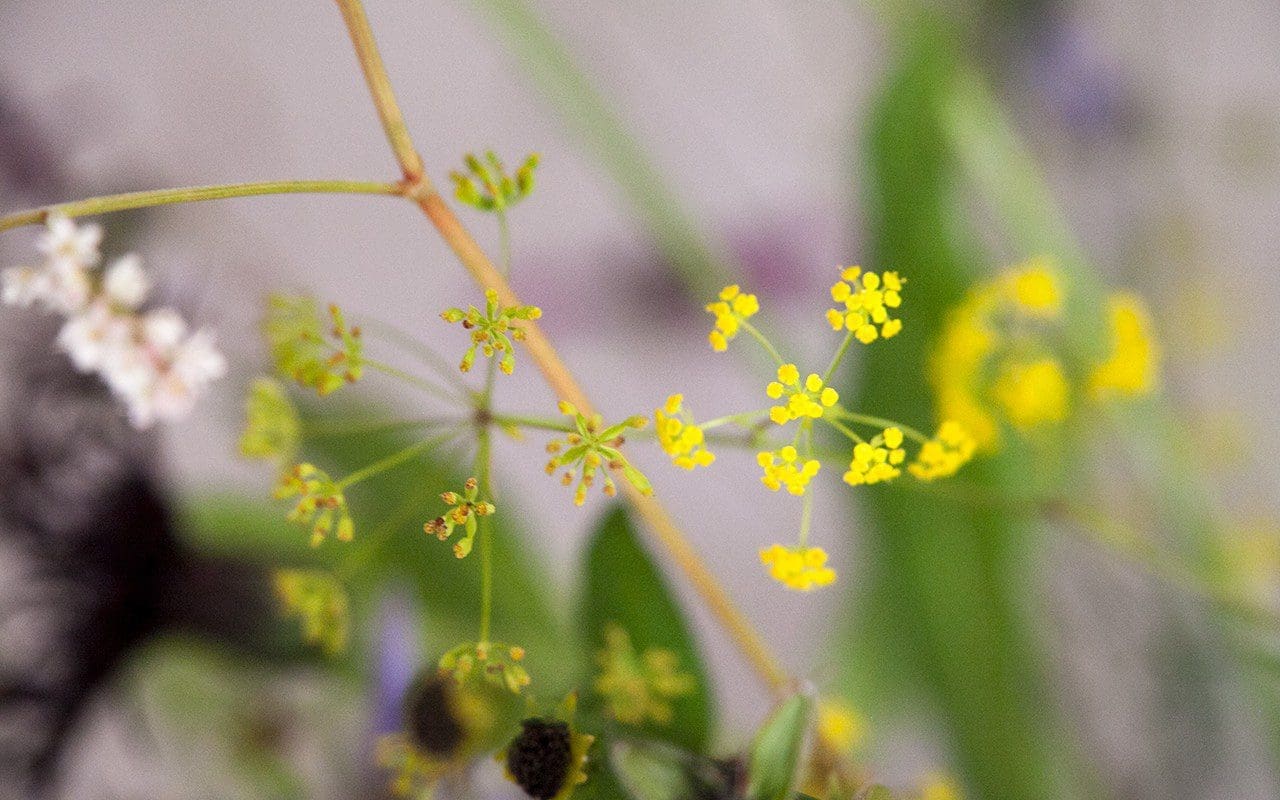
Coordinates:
(391, 550)
(948, 577)
(775, 764)
(624, 587)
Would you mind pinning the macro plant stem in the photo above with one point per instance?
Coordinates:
(422, 383)
(557, 375)
(837, 358)
(423, 352)
(763, 340)
(484, 462)
(881, 422)
(320, 428)
(192, 194)
(392, 461)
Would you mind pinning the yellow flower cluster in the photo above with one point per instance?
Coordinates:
(878, 460)
(805, 400)
(680, 437)
(944, 454)
(840, 726)
(784, 468)
(639, 686)
(1130, 369)
(498, 664)
(799, 568)
(465, 509)
(320, 601)
(1032, 393)
(1034, 289)
(591, 447)
(867, 297)
(272, 428)
(730, 310)
(321, 502)
(998, 359)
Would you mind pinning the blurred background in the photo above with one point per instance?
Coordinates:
(683, 145)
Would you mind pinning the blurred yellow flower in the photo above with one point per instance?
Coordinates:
(1132, 365)
(799, 568)
(784, 468)
(679, 436)
(944, 454)
(1032, 393)
(730, 310)
(840, 725)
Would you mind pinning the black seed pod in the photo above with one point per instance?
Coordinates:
(431, 717)
(538, 758)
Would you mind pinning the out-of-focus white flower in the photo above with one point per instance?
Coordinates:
(149, 361)
(90, 337)
(22, 286)
(66, 244)
(125, 284)
(163, 329)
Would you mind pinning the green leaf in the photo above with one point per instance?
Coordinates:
(775, 764)
(391, 549)
(623, 587)
(948, 578)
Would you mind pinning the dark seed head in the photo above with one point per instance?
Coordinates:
(538, 758)
(431, 717)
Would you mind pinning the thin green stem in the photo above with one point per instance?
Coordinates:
(504, 245)
(764, 342)
(806, 506)
(484, 467)
(837, 358)
(192, 194)
(840, 426)
(426, 354)
(537, 423)
(422, 383)
(318, 428)
(746, 417)
(393, 460)
(881, 422)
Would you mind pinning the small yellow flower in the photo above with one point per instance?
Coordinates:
(1130, 369)
(783, 468)
(465, 509)
(730, 310)
(639, 686)
(1032, 393)
(320, 601)
(799, 568)
(878, 460)
(591, 447)
(1033, 288)
(321, 356)
(321, 502)
(495, 662)
(840, 725)
(683, 440)
(944, 454)
(807, 400)
(492, 330)
(271, 429)
(868, 298)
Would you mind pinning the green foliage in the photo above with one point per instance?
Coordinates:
(948, 578)
(624, 588)
(775, 764)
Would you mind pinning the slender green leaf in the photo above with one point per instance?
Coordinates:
(624, 588)
(774, 770)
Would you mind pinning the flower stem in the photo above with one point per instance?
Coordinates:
(881, 422)
(484, 467)
(422, 383)
(764, 342)
(553, 369)
(384, 98)
(537, 423)
(837, 358)
(191, 194)
(393, 460)
(317, 428)
(423, 352)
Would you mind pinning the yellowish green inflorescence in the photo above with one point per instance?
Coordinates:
(492, 330)
(591, 446)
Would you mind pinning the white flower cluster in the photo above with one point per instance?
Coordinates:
(148, 359)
